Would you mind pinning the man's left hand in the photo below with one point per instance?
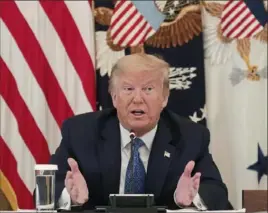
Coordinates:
(187, 186)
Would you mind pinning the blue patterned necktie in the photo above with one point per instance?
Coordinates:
(135, 175)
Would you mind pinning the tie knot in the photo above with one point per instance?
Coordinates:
(137, 143)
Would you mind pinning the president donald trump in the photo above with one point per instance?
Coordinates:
(171, 156)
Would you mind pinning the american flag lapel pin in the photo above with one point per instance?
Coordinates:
(166, 154)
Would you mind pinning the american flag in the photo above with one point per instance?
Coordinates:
(239, 18)
(134, 21)
(47, 63)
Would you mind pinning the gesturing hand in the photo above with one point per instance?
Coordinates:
(75, 184)
(187, 186)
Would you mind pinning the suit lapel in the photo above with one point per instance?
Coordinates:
(109, 150)
(159, 160)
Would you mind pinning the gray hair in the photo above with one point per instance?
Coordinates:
(141, 62)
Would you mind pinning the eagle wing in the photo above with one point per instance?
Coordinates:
(103, 15)
(105, 55)
(181, 30)
(263, 35)
(213, 8)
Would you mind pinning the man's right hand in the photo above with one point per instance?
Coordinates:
(75, 184)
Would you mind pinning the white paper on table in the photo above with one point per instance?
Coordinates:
(212, 211)
(34, 210)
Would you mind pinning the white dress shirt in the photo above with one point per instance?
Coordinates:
(65, 201)
(126, 152)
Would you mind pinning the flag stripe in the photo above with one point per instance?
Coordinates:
(117, 36)
(81, 12)
(25, 199)
(132, 25)
(149, 32)
(59, 60)
(47, 68)
(119, 11)
(239, 24)
(233, 16)
(138, 34)
(123, 22)
(11, 135)
(28, 129)
(119, 4)
(228, 13)
(120, 16)
(28, 87)
(144, 33)
(59, 13)
(228, 6)
(241, 33)
(255, 28)
(134, 29)
(36, 60)
(91, 3)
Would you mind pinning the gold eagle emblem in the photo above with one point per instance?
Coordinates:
(243, 45)
(182, 23)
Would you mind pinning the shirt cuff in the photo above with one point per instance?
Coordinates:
(64, 200)
(197, 202)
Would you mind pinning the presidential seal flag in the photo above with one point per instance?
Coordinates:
(236, 79)
(47, 63)
(178, 40)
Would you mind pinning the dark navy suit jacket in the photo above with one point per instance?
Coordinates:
(93, 140)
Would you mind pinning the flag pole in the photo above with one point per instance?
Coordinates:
(95, 46)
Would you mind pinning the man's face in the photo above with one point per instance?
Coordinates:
(139, 98)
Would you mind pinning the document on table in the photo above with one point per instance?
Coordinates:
(34, 210)
(187, 210)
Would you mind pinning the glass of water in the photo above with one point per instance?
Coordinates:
(45, 186)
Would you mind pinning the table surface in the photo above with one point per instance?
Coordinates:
(168, 211)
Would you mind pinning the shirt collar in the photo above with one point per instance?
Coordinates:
(146, 138)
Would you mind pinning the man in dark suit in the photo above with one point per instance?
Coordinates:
(170, 156)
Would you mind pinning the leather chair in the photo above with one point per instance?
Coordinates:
(255, 200)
